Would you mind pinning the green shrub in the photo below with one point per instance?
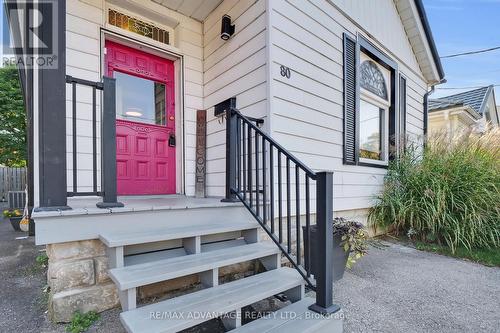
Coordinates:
(81, 322)
(449, 194)
(42, 260)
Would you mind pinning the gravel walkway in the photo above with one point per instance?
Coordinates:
(22, 303)
(393, 289)
(400, 289)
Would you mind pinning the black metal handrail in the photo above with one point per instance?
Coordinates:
(108, 139)
(252, 158)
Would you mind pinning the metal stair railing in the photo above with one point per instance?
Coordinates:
(274, 186)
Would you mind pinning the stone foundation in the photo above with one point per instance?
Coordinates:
(78, 279)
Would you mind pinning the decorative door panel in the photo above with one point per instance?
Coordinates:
(145, 124)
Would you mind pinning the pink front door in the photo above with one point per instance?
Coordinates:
(145, 120)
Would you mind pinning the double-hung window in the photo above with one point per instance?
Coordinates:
(373, 113)
(369, 104)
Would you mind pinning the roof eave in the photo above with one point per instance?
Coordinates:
(485, 99)
(473, 113)
(458, 110)
(447, 107)
(430, 39)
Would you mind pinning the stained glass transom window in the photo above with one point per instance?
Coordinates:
(372, 79)
(137, 26)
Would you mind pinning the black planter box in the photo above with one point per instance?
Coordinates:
(339, 255)
(14, 221)
(31, 230)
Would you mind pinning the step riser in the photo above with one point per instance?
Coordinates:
(251, 236)
(208, 233)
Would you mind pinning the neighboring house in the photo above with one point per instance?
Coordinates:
(471, 111)
(319, 85)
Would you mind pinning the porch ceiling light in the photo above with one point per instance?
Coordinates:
(227, 29)
(132, 112)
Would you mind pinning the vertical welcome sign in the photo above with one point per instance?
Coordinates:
(201, 153)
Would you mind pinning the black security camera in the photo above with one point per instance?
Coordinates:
(227, 29)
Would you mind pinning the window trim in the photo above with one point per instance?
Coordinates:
(365, 46)
(383, 107)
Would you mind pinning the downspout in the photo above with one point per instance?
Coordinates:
(426, 111)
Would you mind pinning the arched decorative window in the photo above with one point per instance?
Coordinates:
(372, 79)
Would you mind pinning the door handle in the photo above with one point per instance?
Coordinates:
(171, 140)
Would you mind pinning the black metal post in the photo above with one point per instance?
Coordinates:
(231, 155)
(324, 246)
(108, 152)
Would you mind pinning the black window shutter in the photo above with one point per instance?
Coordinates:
(402, 112)
(350, 100)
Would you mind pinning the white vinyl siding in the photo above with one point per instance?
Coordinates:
(233, 68)
(83, 60)
(307, 109)
(382, 20)
(303, 113)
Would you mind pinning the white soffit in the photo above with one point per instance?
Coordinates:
(418, 39)
(196, 9)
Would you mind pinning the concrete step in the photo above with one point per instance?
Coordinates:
(156, 271)
(182, 312)
(295, 318)
(117, 239)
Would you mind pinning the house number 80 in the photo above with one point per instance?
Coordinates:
(285, 71)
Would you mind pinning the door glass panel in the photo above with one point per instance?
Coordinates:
(370, 124)
(140, 100)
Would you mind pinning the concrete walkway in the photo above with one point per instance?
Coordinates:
(393, 289)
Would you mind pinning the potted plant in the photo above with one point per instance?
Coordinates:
(15, 216)
(349, 244)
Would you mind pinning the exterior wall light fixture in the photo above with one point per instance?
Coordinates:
(227, 29)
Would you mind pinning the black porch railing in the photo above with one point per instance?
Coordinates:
(108, 140)
(274, 185)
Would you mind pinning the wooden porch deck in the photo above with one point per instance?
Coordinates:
(86, 221)
(87, 205)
